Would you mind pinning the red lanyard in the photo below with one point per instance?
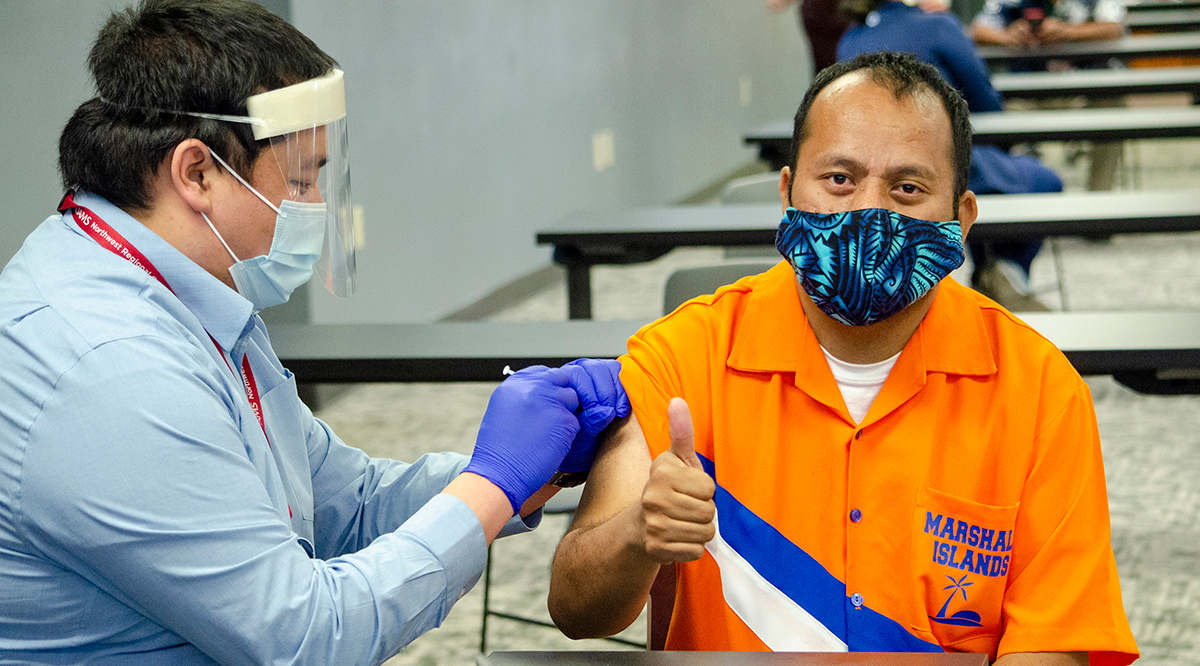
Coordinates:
(114, 242)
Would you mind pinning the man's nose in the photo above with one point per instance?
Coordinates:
(872, 194)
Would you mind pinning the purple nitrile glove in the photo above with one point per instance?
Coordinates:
(601, 399)
(527, 429)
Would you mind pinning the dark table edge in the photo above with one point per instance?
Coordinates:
(408, 370)
(595, 247)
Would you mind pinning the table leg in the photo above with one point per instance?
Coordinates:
(579, 290)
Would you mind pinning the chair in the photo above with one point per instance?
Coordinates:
(662, 604)
(761, 188)
(687, 283)
(564, 501)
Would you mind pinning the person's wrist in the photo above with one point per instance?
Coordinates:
(506, 480)
(488, 501)
(563, 479)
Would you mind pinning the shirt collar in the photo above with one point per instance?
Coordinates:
(773, 334)
(953, 336)
(223, 312)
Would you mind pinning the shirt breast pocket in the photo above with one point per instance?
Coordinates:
(961, 551)
(289, 445)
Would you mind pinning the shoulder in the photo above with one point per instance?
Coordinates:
(1023, 355)
(61, 302)
(940, 34)
(90, 356)
(99, 297)
(708, 319)
(682, 353)
(855, 34)
(946, 24)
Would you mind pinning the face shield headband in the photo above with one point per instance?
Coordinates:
(306, 126)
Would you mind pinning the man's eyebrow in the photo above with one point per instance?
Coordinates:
(894, 173)
(843, 161)
(911, 171)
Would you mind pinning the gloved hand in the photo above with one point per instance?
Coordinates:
(601, 399)
(526, 431)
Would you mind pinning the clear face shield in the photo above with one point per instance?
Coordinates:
(306, 126)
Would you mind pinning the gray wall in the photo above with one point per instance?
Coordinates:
(43, 44)
(471, 122)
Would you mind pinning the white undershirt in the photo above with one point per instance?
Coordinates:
(859, 384)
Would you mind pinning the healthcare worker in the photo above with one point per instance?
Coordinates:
(165, 496)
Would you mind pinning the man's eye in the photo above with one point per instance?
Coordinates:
(839, 179)
(910, 189)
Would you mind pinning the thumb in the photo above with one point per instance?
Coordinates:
(682, 443)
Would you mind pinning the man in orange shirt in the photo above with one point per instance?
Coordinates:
(849, 452)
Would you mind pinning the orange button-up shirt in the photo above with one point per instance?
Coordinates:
(966, 512)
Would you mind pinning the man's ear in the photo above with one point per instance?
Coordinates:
(968, 210)
(192, 174)
(785, 179)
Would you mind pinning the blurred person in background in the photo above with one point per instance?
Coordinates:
(823, 25)
(1031, 23)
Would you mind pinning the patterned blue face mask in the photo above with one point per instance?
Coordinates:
(863, 266)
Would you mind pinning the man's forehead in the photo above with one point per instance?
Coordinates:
(855, 109)
(308, 145)
(847, 82)
(313, 136)
(860, 84)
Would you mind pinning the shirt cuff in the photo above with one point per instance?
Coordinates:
(453, 534)
(519, 525)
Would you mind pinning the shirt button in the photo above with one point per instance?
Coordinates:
(858, 434)
(855, 515)
(857, 600)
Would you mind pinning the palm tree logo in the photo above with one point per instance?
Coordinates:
(963, 618)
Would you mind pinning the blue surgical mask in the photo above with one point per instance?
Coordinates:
(271, 278)
(863, 266)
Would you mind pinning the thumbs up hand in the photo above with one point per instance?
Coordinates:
(682, 437)
(677, 503)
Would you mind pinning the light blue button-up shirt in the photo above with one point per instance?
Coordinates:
(145, 517)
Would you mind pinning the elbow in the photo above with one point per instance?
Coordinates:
(568, 619)
(570, 613)
(567, 610)
(578, 621)
(569, 622)
(579, 612)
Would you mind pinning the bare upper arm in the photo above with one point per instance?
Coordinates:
(619, 474)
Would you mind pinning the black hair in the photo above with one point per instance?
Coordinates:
(161, 56)
(904, 76)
